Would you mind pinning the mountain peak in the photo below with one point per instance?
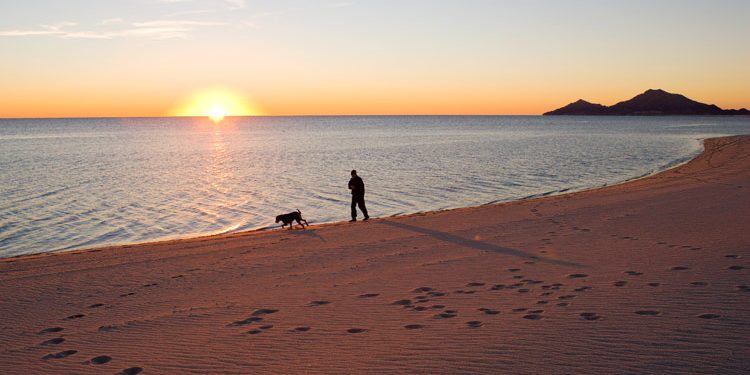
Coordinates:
(652, 102)
(579, 107)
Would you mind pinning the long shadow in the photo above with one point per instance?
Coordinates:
(308, 232)
(447, 237)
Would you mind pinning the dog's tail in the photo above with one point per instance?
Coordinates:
(299, 211)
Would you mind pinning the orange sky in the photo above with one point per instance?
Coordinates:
(390, 57)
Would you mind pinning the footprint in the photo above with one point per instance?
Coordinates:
(96, 305)
(491, 312)
(369, 295)
(402, 302)
(420, 308)
(633, 273)
(318, 303)
(653, 284)
(474, 324)
(444, 315)
(131, 371)
(648, 312)
(302, 329)
(519, 309)
(699, 283)
(523, 290)
(264, 312)
(55, 341)
(437, 306)
(577, 275)
(436, 294)
(679, 268)
(513, 269)
(733, 256)
(107, 328)
(356, 330)
(413, 326)
(100, 360)
(532, 316)
(267, 326)
(49, 330)
(59, 355)
(126, 294)
(423, 289)
(569, 296)
(709, 316)
(243, 321)
(563, 304)
(735, 268)
(178, 276)
(590, 316)
(472, 284)
(542, 302)
(582, 289)
(254, 331)
(75, 316)
(620, 283)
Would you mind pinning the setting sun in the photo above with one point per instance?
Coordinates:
(216, 104)
(216, 113)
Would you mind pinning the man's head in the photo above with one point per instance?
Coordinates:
(354, 172)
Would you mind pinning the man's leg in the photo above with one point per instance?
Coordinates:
(361, 203)
(354, 208)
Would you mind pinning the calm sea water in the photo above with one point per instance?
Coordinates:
(78, 183)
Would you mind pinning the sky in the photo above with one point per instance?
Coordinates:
(77, 58)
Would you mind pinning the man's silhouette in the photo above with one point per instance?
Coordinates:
(357, 186)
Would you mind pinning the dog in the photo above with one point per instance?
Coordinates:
(288, 219)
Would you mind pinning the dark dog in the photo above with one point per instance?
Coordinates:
(289, 219)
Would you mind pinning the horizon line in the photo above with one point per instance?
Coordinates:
(239, 116)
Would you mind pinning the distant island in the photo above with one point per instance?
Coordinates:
(650, 103)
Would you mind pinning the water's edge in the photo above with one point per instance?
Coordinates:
(676, 163)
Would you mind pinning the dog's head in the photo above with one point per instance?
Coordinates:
(278, 218)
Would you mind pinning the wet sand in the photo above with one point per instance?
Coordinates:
(650, 276)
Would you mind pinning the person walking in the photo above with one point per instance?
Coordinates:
(357, 186)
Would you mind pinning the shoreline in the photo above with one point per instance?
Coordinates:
(569, 190)
(648, 276)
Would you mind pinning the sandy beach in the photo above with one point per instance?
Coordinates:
(649, 276)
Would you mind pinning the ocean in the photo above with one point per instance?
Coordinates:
(79, 183)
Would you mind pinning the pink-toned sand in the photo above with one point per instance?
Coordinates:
(651, 276)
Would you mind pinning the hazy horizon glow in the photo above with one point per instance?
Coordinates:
(325, 57)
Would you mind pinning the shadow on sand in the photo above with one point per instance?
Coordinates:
(308, 232)
(483, 246)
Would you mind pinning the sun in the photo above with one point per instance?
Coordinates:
(216, 113)
(216, 104)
